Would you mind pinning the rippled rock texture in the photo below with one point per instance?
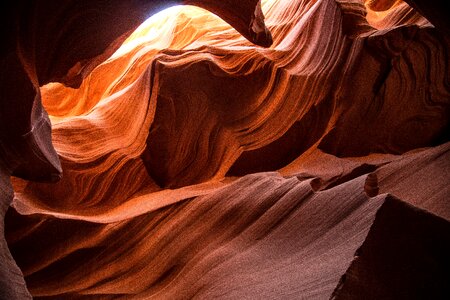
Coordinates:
(203, 160)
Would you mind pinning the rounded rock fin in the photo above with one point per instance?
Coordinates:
(25, 139)
(245, 16)
(261, 34)
(39, 160)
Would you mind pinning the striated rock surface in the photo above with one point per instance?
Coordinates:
(12, 284)
(413, 246)
(197, 164)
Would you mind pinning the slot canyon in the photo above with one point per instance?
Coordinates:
(225, 149)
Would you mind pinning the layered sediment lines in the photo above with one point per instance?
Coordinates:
(198, 165)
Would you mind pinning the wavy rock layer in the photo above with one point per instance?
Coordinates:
(197, 165)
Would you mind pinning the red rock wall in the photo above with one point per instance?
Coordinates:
(198, 164)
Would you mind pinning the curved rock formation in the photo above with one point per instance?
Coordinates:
(44, 42)
(197, 164)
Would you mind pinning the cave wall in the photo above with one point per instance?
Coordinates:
(191, 158)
